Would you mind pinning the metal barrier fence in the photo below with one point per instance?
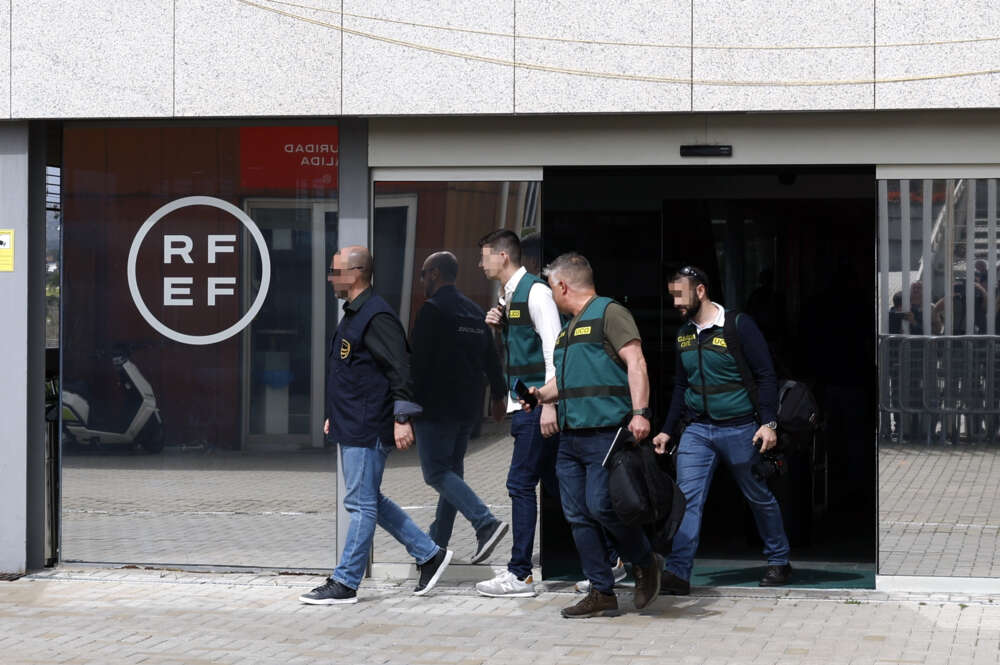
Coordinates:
(939, 388)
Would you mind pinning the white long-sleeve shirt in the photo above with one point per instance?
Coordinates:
(544, 318)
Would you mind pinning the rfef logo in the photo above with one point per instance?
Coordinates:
(180, 291)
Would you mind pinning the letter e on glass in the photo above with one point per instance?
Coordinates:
(177, 286)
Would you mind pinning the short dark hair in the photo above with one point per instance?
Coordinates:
(505, 241)
(692, 274)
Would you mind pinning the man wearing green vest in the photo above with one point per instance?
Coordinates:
(601, 384)
(528, 321)
(710, 394)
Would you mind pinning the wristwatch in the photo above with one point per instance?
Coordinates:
(644, 412)
(402, 418)
(773, 425)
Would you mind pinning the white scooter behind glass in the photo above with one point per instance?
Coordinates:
(138, 420)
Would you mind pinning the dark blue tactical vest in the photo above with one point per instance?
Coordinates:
(357, 392)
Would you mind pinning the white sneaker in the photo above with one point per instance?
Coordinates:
(583, 586)
(506, 585)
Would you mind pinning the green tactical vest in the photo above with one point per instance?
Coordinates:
(715, 385)
(593, 386)
(524, 348)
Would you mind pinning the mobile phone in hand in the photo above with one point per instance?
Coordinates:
(524, 393)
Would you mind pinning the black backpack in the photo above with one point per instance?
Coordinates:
(642, 493)
(798, 413)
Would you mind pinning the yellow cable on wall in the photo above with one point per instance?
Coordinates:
(596, 42)
(613, 75)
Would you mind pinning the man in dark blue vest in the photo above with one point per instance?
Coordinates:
(369, 407)
(601, 384)
(709, 392)
(452, 352)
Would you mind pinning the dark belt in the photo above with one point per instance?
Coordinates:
(727, 422)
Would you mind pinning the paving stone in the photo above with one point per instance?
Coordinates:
(81, 615)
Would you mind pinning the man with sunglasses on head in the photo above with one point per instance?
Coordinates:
(369, 408)
(724, 425)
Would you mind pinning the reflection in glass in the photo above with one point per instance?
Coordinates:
(412, 221)
(938, 372)
(242, 478)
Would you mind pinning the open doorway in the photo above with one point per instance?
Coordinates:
(795, 248)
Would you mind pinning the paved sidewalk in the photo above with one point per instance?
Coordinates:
(97, 615)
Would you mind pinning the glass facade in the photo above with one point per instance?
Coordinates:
(412, 221)
(938, 372)
(194, 327)
(195, 316)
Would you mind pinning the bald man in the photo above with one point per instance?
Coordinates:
(369, 406)
(453, 352)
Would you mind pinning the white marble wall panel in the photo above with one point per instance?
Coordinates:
(428, 57)
(629, 56)
(913, 43)
(4, 60)
(258, 58)
(756, 78)
(91, 58)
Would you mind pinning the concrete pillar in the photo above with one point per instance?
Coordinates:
(14, 331)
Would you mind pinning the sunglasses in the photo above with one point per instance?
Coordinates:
(340, 271)
(694, 273)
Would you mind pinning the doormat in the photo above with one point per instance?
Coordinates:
(805, 574)
(10, 577)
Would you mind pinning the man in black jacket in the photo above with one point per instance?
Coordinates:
(452, 350)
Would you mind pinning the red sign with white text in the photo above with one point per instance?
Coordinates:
(298, 158)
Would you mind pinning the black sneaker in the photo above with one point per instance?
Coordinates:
(488, 539)
(430, 572)
(777, 575)
(594, 604)
(331, 593)
(671, 585)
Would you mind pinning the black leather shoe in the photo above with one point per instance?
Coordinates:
(777, 575)
(671, 585)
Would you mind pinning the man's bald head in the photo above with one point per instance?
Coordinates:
(445, 263)
(358, 257)
(439, 269)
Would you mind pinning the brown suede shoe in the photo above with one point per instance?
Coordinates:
(647, 582)
(594, 604)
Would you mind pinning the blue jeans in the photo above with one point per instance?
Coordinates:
(587, 505)
(702, 446)
(533, 460)
(442, 446)
(367, 506)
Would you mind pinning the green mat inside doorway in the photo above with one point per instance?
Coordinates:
(805, 574)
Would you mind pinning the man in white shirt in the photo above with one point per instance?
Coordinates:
(529, 323)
